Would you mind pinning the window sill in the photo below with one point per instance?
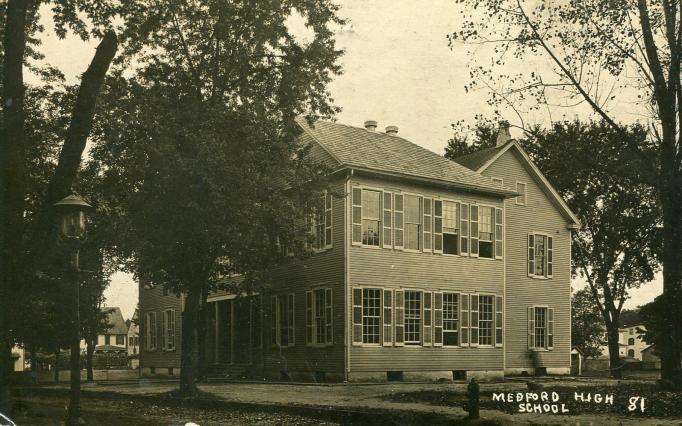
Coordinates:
(538, 277)
(540, 349)
(366, 246)
(319, 345)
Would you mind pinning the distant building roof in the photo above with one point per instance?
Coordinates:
(115, 317)
(110, 348)
(375, 151)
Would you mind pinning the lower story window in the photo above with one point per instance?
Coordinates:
(540, 327)
(450, 319)
(282, 317)
(485, 320)
(371, 315)
(413, 317)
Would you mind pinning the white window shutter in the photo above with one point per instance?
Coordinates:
(387, 240)
(438, 319)
(292, 320)
(464, 320)
(357, 216)
(399, 308)
(531, 327)
(437, 226)
(499, 233)
(550, 257)
(473, 249)
(473, 309)
(328, 317)
(531, 254)
(464, 229)
(165, 330)
(309, 322)
(428, 224)
(427, 337)
(388, 318)
(550, 328)
(499, 321)
(357, 316)
(398, 234)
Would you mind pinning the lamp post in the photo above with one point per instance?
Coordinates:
(71, 213)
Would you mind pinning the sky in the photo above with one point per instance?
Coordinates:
(398, 70)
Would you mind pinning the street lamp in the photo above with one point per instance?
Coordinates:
(71, 230)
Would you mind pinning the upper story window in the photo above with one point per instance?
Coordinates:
(540, 255)
(412, 226)
(498, 181)
(521, 189)
(451, 225)
(120, 340)
(321, 224)
(366, 216)
(415, 223)
(485, 231)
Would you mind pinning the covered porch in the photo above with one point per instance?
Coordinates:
(234, 333)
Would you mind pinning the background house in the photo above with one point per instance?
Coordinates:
(115, 338)
(134, 341)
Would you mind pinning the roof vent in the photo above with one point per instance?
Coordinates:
(371, 125)
(503, 135)
(391, 130)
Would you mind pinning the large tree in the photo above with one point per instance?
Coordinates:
(20, 227)
(617, 247)
(600, 52)
(199, 147)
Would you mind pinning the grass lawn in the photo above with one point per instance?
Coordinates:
(50, 410)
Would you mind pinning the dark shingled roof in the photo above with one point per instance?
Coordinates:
(475, 160)
(362, 148)
(115, 317)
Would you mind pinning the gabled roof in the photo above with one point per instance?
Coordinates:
(365, 150)
(479, 161)
(115, 318)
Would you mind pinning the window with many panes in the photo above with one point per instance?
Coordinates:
(451, 224)
(282, 320)
(540, 327)
(413, 317)
(450, 319)
(485, 319)
(540, 255)
(413, 220)
(120, 339)
(371, 217)
(169, 330)
(485, 231)
(321, 224)
(371, 315)
(150, 331)
(521, 190)
(319, 316)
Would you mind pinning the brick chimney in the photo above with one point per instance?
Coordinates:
(503, 135)
(371, 125)
(391, 130)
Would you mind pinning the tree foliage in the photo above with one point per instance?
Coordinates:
(601, 52)
(198, 148)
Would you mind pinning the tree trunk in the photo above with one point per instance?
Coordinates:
(203, 314)
(12, 181)
(671, 343)
(88, 359)
(81, 119)
(614, 347)
(189, 358)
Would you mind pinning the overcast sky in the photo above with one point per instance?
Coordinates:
(398, 70)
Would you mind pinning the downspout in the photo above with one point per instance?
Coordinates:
(504, 287)
(347, 233)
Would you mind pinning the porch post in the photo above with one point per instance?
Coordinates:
(233, 306)
(217, 335)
